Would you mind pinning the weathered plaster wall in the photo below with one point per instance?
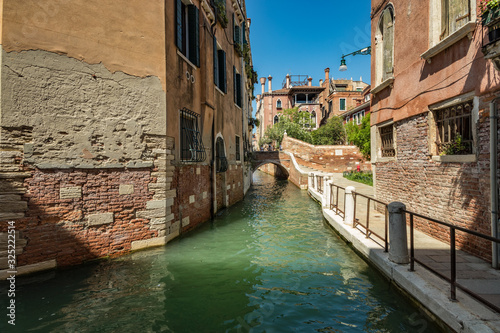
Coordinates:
(92, 31)
(81, 115)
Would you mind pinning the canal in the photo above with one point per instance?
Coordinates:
(267, 264)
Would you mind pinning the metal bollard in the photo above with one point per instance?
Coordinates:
(398, 244)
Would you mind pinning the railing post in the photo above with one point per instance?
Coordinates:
(349, 205)
(398, 244)
(311, 181)
(316, 183)
(326, 194)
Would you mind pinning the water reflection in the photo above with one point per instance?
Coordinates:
(268, 264)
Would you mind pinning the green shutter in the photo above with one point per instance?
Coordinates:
(234, 85)
(194, 34)
(238, 90)
(221, 55)
(234, 29)
(178, 24)
(216, 64)
(388, 43)
(237, 34)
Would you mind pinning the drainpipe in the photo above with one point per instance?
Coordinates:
(494, 180)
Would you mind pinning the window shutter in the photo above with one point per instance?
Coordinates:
(237, 34)
(459, 14)
(216, 63)
(194, 35)
(234, 29)
(178, 24)
(221, 55)
(238, 90)
(244, 34)
(234, 85)
(388, 43)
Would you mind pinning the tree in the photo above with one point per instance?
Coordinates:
(294, 123)
(332, 133)
(360, 135)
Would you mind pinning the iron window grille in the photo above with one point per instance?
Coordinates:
(238, 157)
(387, 139)
(192, 149)
(454, 129)
(220, 156)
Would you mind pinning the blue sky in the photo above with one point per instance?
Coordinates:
(307, 36)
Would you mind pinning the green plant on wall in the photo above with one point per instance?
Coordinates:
(456, 147)
(220, 8)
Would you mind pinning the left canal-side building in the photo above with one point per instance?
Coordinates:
(123, 124)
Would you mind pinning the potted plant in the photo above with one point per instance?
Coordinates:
(490, 11)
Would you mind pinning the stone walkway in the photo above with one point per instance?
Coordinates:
(473, 273)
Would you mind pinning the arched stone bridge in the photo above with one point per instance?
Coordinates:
(279, 159)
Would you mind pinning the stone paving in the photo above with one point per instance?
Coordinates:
(473, 273)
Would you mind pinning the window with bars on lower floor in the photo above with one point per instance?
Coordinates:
(387, 141)
(454, 129)
(192, 149)
(238, 156)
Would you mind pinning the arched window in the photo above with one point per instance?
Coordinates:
(278, 104)
(220, 155)
(276, 119)
(385, 46)
(313, 119)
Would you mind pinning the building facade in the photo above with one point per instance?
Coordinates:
(297, 91)
(433, 93)
(362, 110)
(116, 133)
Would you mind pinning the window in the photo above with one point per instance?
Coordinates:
(278, 104)
(454, 15)
(237, 87)
(238, 148)
(342, 104)
(387, 141)
(187, 31)
(313, 119)
(192, 149)
(220, 79)
(341, 87)
(454, 129)
(276, 119)
(220, 156)
(384, 60)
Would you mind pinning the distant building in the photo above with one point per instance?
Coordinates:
(359, 112)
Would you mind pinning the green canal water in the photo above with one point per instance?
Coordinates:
(267, 264)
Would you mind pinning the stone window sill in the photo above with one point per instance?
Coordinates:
(179, 53)
(455, 158)
(388, 82)
(220, 91)
(466, 30)
(385, 159)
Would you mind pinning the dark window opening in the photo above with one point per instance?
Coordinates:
(238, 157)
(220, 156)
(187, 31)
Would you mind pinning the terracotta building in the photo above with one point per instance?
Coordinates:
(361, 110)
(433, 94)
(296, 91)
(123, 124)
(331, 98)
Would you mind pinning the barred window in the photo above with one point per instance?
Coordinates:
(387, 141)
(238, 157)
(454, 129)
(220, 156)
(192, 149)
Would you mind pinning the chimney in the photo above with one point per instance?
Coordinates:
(270, 88)
(263, 83)
(327, 74)
(320, 82)
(288, 81)
(310, 81)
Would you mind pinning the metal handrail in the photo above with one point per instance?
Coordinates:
(336, 205)
(319, 182)
(453, 256)
(369, 231)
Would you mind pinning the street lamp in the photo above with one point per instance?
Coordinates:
(365, 51)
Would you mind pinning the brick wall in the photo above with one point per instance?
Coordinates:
(456, 193)
(326, 158)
